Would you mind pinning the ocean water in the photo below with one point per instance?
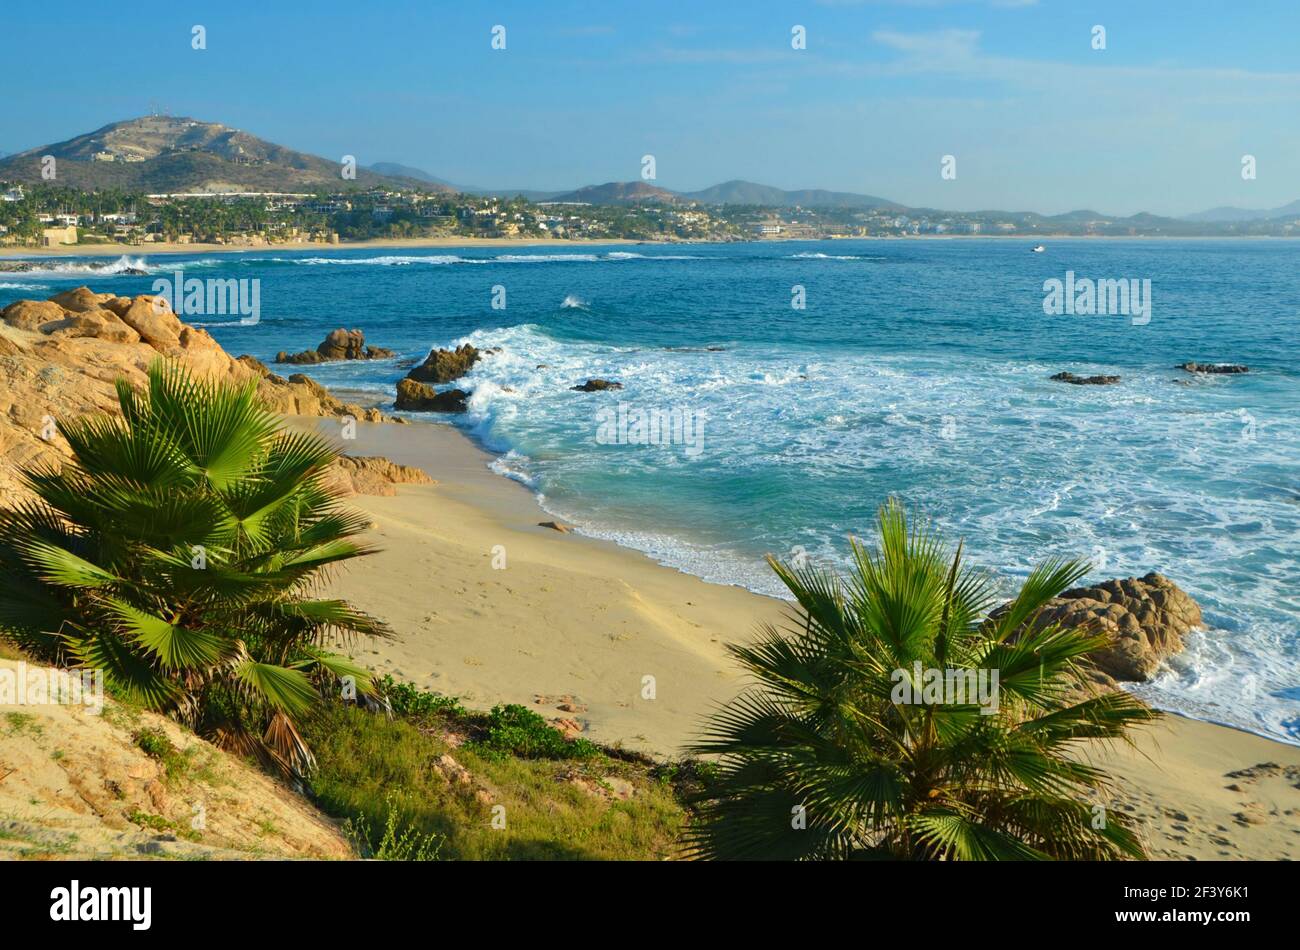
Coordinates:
(917, 369)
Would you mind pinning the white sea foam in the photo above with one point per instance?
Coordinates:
(1168, 487)
(103, 268)
(544, 258)
(387, 260)
(819, 256)
(404, 260)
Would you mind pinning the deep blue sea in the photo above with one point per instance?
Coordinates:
(917, 369)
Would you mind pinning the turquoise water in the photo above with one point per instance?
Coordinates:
(918, 369)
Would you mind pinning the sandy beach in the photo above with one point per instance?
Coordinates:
(144, 250)
(571, 627)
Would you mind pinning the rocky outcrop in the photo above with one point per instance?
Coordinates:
(339, 344)
(375, 475)
(596, 386)
(300, 395)
(1084, 380)
(1146, 618)
(59, 359)
(421, 397)
(1222, 368)
(444, 366)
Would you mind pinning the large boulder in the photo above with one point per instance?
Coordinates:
(152, 318)
(81, 300)
(1146, 618)
(97, 324)
(32, 314)
(415, 396)
(443, 366)
(338, 344)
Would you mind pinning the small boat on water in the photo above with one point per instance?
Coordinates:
(1038, 248)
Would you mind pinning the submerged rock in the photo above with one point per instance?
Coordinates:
(1085, 380)
(339, 344)
(1146, 618)
(421, 397)
(596, 386)
(1213, 368)
(443, 366)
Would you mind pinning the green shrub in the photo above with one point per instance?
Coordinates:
(408, 844)
(515, 730)
(408, 700)
(155, 744)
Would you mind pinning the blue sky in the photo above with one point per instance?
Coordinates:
(1036, 118)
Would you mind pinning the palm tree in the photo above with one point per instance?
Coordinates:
(177, 552)
(840, 751)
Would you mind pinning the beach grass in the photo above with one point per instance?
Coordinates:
(479, 803)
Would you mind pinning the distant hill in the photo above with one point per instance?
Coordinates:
(162, 154)
(525, 193)
(395, 170)
(619, 192)
(739, 192)
(1228, 214)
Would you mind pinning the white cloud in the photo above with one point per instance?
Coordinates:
(943, 44)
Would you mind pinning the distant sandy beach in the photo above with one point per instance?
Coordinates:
(145, 250)
(580, 623)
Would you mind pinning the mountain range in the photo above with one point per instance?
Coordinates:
(166, 154)
(1229, 214)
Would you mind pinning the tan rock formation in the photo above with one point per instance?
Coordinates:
(443, 366)
(59, 359)
(338, 344)
(421, 397)
(375, 475)
(1146, 618)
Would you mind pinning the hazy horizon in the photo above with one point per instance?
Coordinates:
(1037, 119)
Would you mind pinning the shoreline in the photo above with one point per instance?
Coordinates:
(486, 457)
(569, 626)
(145, 250)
